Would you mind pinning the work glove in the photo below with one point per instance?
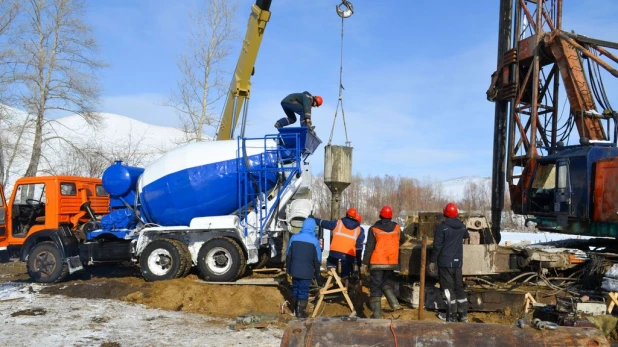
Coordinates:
(432, 270)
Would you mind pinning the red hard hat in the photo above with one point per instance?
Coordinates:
(450, 210)
(386, 212)
(360, 218)
(352, 213)
(318, 100)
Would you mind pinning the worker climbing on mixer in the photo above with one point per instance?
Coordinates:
(301, 104)
(346, 245)
(448, 253)
(303, 264)
(382, 257)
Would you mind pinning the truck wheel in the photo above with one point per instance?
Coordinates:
(220, 260)
(186, 255)
(162, 260)
(45, 263)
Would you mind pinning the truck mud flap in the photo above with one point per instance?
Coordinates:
(4, 255)
(68, 245)
(75, 264)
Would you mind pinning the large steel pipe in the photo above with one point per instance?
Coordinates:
(382, 332)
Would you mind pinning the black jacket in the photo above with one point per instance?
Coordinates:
(448, 243)
(305, 99)
(388, 226)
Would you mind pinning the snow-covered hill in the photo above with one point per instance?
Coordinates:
(454, 189)
(73, 146)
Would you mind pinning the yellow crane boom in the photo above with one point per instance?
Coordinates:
(240, 87)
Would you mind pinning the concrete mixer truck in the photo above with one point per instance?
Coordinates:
(219, 206)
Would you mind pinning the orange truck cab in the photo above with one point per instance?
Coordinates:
(43, 216)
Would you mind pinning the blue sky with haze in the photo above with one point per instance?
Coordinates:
(415, 73)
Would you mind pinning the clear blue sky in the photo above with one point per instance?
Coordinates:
(415, 73)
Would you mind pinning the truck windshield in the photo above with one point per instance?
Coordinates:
(25, 192)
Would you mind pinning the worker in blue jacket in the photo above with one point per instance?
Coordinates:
(346, 245)
(303, 264)
(301, 104)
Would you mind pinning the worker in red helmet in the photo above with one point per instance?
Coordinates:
(382, 257)
(346, 244)
(448, 254)
(301, 104)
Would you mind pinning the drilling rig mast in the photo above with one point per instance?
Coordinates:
(561, 185)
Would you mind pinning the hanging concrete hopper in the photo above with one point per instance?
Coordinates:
(337, 174)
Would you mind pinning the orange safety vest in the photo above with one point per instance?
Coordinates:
(386, 251)
(344, 239)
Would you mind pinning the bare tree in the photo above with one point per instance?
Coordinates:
(15, 127)
(203, 80)
(91, 158)
(56, 64)
(9, 9)
(477, 197)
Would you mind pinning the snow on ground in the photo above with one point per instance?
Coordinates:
(33, 319)
(523, 237)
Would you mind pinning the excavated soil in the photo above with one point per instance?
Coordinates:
(190, 294)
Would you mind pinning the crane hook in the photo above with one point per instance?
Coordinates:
(345, 9)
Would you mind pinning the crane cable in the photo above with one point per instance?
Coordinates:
(349, 10)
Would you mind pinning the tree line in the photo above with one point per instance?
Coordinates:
(50, 67)
(407, 196)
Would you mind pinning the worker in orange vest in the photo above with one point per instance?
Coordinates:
(382, 257)
(346, 245)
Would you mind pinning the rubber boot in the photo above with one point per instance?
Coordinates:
(300, 309)
(391, 298)
(453, 313)
(293, 305)
(375, 303)
(462, 312)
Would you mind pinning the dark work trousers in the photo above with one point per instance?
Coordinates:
(377, 280)
(300, 288)
(452, 279)
(346, 264)
(291, 109)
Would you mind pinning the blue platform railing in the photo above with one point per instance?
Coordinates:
(256, 181)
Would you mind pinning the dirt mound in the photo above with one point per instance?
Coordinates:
(185, 294)
(190, 294)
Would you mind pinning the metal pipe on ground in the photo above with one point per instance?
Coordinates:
(383, 332)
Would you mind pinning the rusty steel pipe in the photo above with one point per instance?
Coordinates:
(383, 332)
(421, 290)
(587, 53)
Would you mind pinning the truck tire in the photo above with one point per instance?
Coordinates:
(188, 262)
(162, 259)
(45, 264)
(221, 260)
